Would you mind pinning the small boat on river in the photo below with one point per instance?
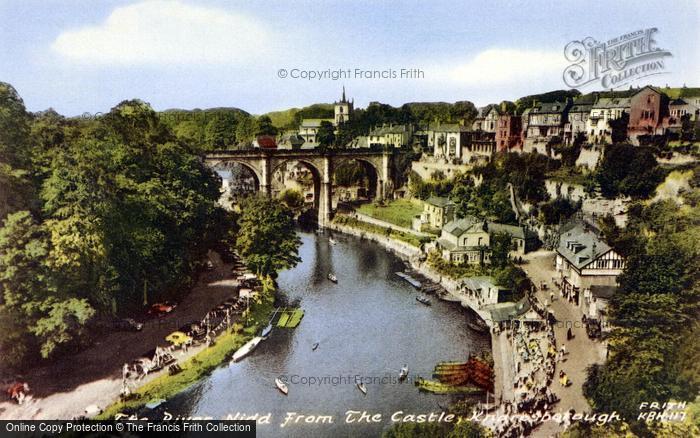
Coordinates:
(246, 349)
(281, 386)
(332, 241)
(423, 300)
(332, 278)
(361, 386)
(266, 331)
(314, 347)
(415, 283)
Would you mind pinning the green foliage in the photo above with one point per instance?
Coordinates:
(558, 210)
(97, 211)
(628, 170)
(293, 200)
(267, 239)
(500, 245)
(552, 96)
(399, 211)
(350, 173)
(453, 271)
(424, 189)
(326, 135)
(409, 238)
(654, 314)
(618, 128)
(265, 126)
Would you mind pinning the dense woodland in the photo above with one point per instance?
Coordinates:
(102, 217)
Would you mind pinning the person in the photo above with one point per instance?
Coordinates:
(563, 349)
(569, 335)
(551, 296)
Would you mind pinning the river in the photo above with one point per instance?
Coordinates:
(369, 324)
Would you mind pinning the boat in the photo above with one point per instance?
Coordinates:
(415, 283)
(155, 403)
(332, 278)
(423, 300)
(314, 347)
(246, 349)
(332, 241)
(266, 331)
(403, 373)
(281, 386)
(361, 386)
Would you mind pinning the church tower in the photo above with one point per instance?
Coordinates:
(343, 110)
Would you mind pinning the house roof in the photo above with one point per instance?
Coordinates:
(266, 142)
(314, 123)
(507, 311)
(392, 129)
(550, 107)
(512, 230)
(460, 226)
(678, 101)
(612, 102)
(438, 201)
(447, 127)
(479, 283)
(580, 247)
(581, 108)
(292, 138)
(603, 292)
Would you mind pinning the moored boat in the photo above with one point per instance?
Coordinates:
(403, 373)
(332, 241)
(281, 386)
(314, 347)
(423, 300)
(246, 349)
(332, 278)
(266, 331)
(361, 386)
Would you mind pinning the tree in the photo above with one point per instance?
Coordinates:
(325, 135)
(246, 130)
(292, 199)
(220, 132)
(628, 170)
(265, 126)
(501, 245)
(267, 239)
(618, 128)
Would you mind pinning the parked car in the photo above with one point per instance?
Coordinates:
(128, 325)
(161, 308)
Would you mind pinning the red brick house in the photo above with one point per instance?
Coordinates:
(648, 113)
(508, 133)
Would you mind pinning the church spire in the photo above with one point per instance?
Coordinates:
(343, 99)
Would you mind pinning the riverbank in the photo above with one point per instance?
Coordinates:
(202, 362)
(521, 385)
(93, 377)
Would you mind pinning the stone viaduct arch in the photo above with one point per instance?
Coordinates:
(263, 164)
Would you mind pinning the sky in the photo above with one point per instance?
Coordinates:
(86, 56)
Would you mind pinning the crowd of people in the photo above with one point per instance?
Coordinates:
(215, 322)
(535, 358)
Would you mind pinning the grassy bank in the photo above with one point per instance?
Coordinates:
(399, 212)
(166, 386)
(411, 239)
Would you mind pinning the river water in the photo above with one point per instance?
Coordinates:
(369, 324)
